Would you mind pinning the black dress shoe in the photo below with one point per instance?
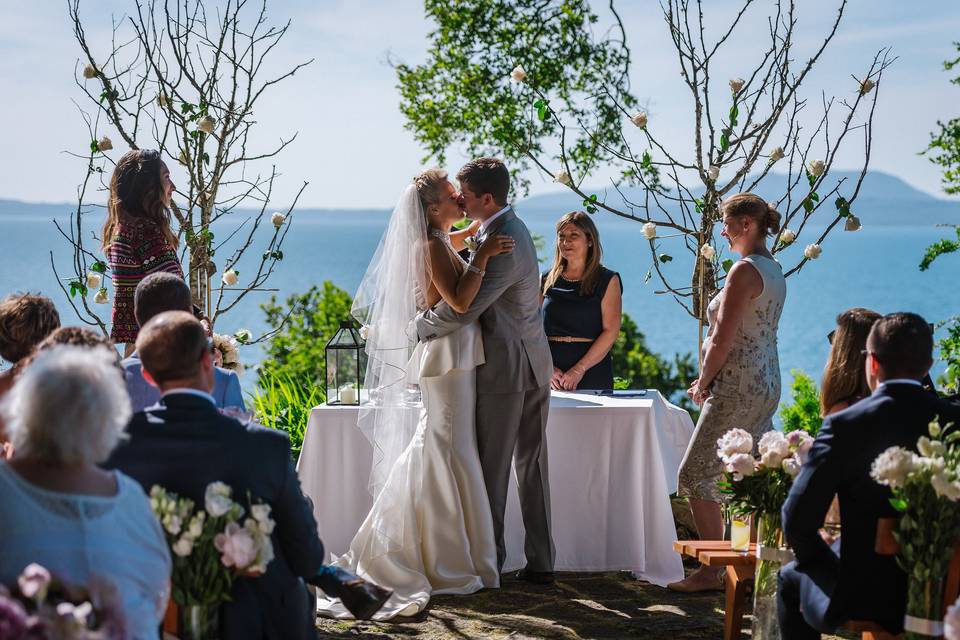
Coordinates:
(536, 577)
(363, 599)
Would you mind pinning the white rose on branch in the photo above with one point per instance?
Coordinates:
(278, 219)
(518, 74)
(649, 231)
(207, 124)
(89, 72)
(105, 144)
(852, 223)
(708, 252)
(93, 280)
(562, 177)
(787, 236)
(101, 297)
(163, 101)
(817, 167)
(867, 86)
(713, 173)
(776, 154)
(736, 85)
(230, 277)
(812, 251)
(639, 119)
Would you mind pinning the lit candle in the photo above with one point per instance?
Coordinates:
(740, 534)
(348, 395)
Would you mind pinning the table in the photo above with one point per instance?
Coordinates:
(612, 463)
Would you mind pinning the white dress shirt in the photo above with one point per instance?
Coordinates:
(482, 232)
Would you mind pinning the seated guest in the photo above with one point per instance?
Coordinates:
(827, 586)
(25, 320)
(186, 444)
(155, 294)
(581, 308)
(65, 415)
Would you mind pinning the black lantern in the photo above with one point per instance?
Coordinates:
(344, 355)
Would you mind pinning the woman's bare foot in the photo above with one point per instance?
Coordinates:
(703, 579)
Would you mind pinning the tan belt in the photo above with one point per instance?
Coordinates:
(568, 339)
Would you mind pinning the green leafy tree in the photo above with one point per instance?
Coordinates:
(944, 147)
(462, 96)
(950, 354)
(803, 412)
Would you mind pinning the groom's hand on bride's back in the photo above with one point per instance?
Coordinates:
(496, 245)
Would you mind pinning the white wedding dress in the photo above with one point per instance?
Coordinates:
(435, 489)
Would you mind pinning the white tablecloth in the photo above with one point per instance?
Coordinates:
(613, 464)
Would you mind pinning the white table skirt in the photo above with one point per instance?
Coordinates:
(613, 464)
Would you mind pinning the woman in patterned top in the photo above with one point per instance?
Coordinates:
(137, 237)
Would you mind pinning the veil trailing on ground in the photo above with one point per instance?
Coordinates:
(390, 295)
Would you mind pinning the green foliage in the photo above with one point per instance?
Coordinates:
(298, 349)
(950, 354)
(462, 95)
(944, 147)
(283, 402)
(940, 248)
(639, 368)
(804, 413)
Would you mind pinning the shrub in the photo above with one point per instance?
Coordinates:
(804, 412)
(284, 403)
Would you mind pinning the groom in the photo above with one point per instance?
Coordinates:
(513, 386)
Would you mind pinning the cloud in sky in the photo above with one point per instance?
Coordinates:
(352, 147)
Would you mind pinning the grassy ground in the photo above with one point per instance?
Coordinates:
(579, 605)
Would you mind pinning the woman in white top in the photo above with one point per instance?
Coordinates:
(739, 383)
(64, 415)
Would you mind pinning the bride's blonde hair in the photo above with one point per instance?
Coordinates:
(428, 186)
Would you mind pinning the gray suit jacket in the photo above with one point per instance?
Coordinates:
(508, 307)
(226, 390)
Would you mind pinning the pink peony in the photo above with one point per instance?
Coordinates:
(741, 465)
(236, 546)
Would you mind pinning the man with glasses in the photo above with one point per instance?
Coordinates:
(828, 585)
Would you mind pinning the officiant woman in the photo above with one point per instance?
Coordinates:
(581, 307)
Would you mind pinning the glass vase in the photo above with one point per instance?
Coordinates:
(924, 609)
(769, 542)
(199, 622)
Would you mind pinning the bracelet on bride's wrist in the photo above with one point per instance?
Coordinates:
(475, 270)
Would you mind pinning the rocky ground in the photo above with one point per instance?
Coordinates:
(579, 605)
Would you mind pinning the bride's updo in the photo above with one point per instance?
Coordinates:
(428, 186)
(764, 213)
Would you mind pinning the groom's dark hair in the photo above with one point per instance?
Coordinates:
(487, 175)
(903, 343)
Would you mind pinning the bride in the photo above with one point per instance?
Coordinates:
(430, 529)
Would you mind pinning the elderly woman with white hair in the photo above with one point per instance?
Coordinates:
(65, 414)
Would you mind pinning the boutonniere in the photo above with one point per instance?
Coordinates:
(472, 243)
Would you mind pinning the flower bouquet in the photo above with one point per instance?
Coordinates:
(41, 607)
(211, 547)
(926, 488)
(758, 487)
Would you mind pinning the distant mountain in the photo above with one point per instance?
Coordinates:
(884, 199)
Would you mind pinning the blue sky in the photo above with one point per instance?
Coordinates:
(352, 147)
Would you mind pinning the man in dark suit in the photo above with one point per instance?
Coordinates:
(185, 444)
(827, 586)
(159, 292)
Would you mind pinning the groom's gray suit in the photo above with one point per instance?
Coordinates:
(513, 386)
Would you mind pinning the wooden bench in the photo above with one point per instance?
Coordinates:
(739, 574)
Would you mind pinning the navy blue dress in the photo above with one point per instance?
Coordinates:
(566, 313)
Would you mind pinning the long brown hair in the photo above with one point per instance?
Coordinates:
(748, 204)
(136, 191)
(844, 378)
(591, 270)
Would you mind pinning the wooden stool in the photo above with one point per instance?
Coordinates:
(739, 572)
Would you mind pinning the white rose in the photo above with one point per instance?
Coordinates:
(817, 167)
(639, 119)
(812, 251)
(892, 466)
(105, 144)
(734, 441)
(183, 158)
(562, 177)
(260, 512)
(229, 277)
(736, 84)
(207, 124)
(713, 173)
(866, 86)
(649, 231)
(243, 335)
(163, 101)
(787, 236)
(741, 465)
(216, 499)
(172, 524)
(708, 252)
(365, 329)
(278, 219)
(852, 223)
(183, 547)
(951, 622)
(101, 297)
(776, 154)
(93, 280)
(944, 487)
(791, 466)
(518, 74)
(89, 71)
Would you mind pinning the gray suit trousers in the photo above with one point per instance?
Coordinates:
(508, 422)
